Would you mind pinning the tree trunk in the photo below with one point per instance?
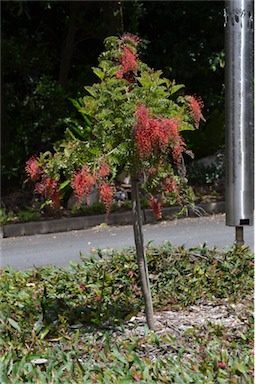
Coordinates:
(69, 45)
(140, 252)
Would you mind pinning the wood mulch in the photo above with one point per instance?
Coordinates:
(230, 317)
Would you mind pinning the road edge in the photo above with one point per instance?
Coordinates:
(83, 222)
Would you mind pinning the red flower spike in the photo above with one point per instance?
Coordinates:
(155, 135)
(156, 207)
(32, 169)
(48, 188)
(82, 182)
(104, 170)
(51, 188)
(142, 133)
(105, 196)
(170, 185)
(195, 105)
(128, 58)
(128, 63)
(129, 37)
(177, 142)
(152, 171)
(40, 188)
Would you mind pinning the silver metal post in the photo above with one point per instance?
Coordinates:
(239, 236)
(239, 104)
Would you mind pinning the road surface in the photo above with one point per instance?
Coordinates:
(59, 249)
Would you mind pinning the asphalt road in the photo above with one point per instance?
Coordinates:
(59, 249)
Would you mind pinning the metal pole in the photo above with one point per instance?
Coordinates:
(239, 114)
(239, 236)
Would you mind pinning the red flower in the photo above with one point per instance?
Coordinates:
(142, 133)
(129, 37)
(48, 188)
(159, 135)
(40, 188)
(104, 170)
(51, 187)
(156, 207)
(177, 142)
(152, 171)
(128, 59)
(105, 196)
(32, 169)
(154, 135)
(221, 365)
(82, 183)
(136, 289)
(170, 185)
(196, 104)
(128, 62)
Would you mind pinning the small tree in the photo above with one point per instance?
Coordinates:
(135, 118)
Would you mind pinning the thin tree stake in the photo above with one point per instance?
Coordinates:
(140, 253)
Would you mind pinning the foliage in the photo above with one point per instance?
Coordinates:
(34, 118)
(200, 174)
(133, 119)
(74, 318)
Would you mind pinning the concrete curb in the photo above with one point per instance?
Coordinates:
(83, 222)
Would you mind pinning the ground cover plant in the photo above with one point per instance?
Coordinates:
(81, 324)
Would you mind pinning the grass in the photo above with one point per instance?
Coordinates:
(76, 319)
(23, 216)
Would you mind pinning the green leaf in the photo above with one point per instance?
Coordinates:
(70, 133)
(90, 90)
(87, 120)
(176, 88)
(98, 73)
(187, 127)
(119, 356)
(113, 70)
(239, 367)
(44, 333)
(126, 380)
(75, 103)
(144, 80)
(14, 324)
(221, 381)
(64, 184)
